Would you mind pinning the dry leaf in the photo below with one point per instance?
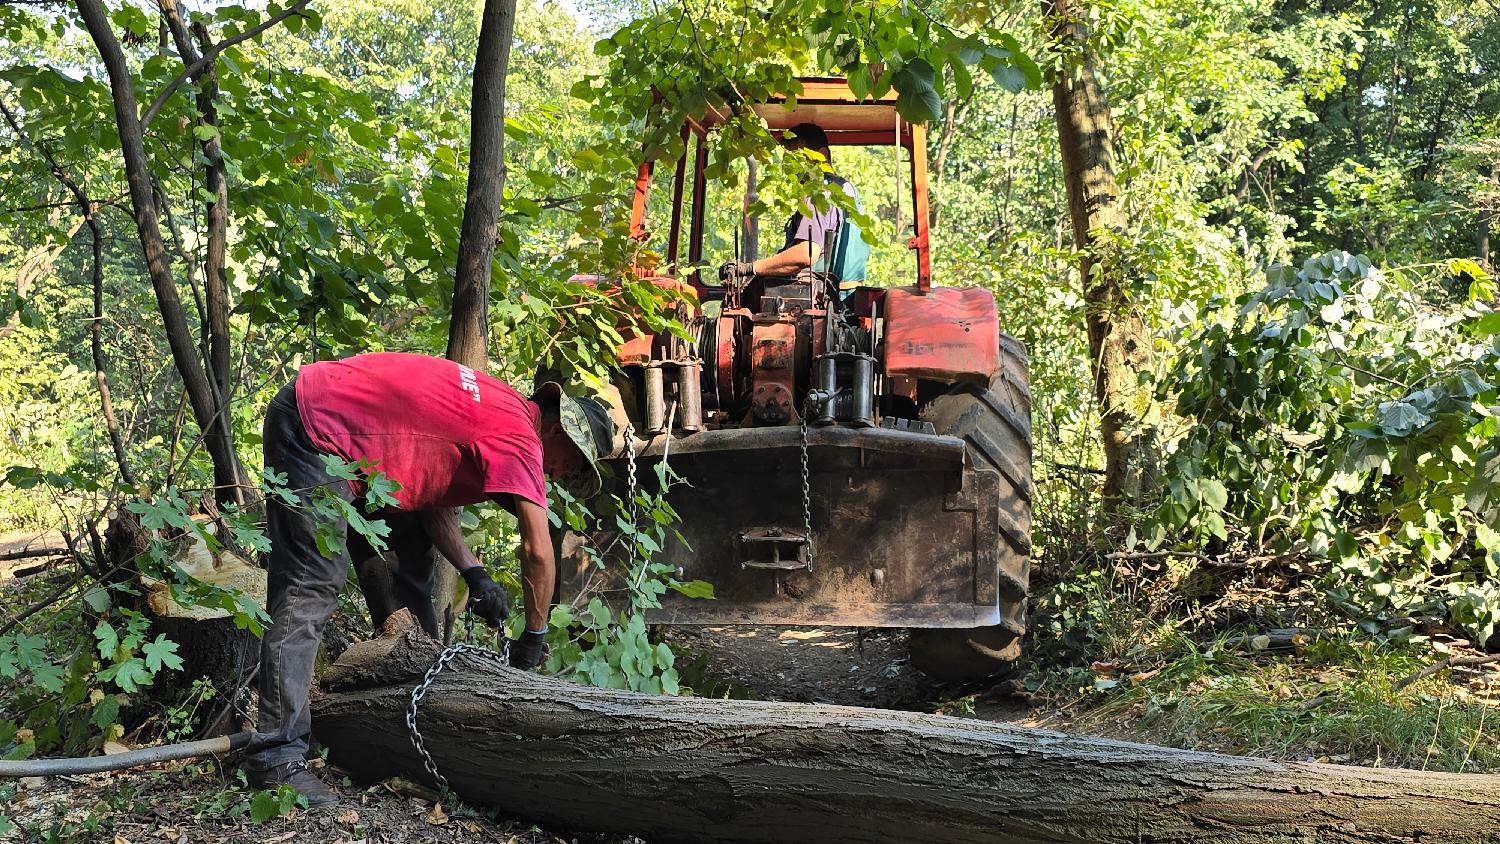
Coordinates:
(437, 817)
(120, 839)
(168, 833)
(472, 827)
(348, 817)
(281, 839)
(113, 747)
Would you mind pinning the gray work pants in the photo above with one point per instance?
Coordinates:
(303, 585)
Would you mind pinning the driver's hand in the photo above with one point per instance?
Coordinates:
(736, 269)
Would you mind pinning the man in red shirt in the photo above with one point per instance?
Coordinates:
(449, 436)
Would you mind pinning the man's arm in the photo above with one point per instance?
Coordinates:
(443, 530)
(538, 568)
(789, 261)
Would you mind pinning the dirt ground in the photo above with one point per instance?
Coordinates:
(848, 666)
(203, 803)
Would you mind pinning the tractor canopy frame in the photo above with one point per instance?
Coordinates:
(827, 102)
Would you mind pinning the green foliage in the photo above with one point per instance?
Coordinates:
(275, 803)
(1335, 414)
(604, 645)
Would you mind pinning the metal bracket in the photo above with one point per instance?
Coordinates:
(789, 549)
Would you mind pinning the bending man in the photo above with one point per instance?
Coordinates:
(449, 436)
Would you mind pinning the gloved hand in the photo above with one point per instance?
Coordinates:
(486, 597)
(736, 269)
(528, 651)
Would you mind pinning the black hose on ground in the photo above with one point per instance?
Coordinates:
(129, 759)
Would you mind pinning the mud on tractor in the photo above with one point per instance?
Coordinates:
(861, 459)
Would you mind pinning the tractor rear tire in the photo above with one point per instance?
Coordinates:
(995, 422)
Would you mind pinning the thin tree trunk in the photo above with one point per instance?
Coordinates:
(468, 329)
(1487, 218)
(216, 433)
(1119, 340)
(96, 276)
(215, 291)
(96, 347)
(690, 769)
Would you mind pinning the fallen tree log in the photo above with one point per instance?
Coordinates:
(688, 769)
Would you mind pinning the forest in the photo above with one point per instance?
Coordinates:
(1242, 252)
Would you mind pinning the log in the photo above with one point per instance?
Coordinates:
(687, 769)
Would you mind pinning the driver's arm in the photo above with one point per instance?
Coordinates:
(789, 261)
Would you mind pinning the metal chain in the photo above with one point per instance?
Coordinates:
(630, 489)
(806, 490)
(502, 657)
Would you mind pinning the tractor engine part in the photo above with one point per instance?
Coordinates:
(848, 378)
(667, 381)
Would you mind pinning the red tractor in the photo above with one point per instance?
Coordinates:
(861, 459)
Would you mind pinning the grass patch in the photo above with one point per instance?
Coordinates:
(1333, 700)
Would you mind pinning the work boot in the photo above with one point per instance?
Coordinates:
(302, 781)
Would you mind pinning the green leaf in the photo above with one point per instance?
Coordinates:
(105, 711)
(162, 652)
(108, 641)
(1399, 418)
(1009, 77)
(264, 805)
(1483, 490)
(916, 101)
(1213, 494)
(129, 675)
(205, 132)
(97, 598)
(694, 588)
(599, 616)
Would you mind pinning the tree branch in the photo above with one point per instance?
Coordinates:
(194, 70)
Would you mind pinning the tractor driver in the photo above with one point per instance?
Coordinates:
(449, 436)
(810, 232)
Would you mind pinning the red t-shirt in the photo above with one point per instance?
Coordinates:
(449, 435)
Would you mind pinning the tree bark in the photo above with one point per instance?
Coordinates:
(698, 770)
(468, 328)
(1487, 218)
(1119, 339)
(206, 411)
(468, 331)
(216, 211)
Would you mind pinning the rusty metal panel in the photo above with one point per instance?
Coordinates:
(949, 334)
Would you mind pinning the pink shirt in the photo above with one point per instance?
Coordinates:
(449, 435)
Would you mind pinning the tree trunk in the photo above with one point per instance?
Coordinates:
(706, 770)
(206, 411)
(1487, 218)
(1119, 339)
(468, 329)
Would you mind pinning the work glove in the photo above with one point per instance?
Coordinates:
(486, 597)
(528, 651)
(736, 269)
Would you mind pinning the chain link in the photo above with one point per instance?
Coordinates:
(502, 657)
(630, 490)
(806, 489)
